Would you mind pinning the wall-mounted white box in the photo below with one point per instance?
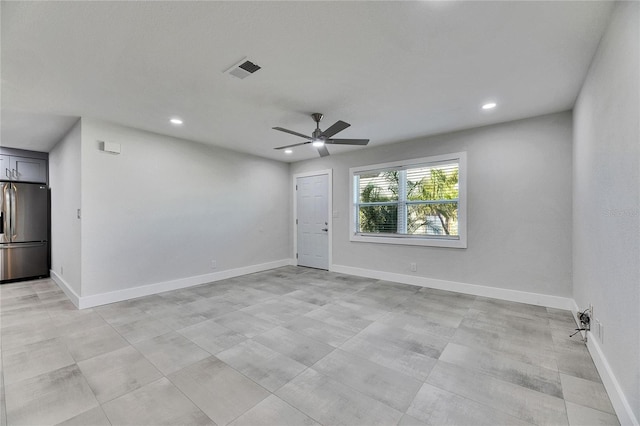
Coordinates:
(111, 147)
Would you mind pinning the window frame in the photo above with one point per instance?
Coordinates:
(459, 241)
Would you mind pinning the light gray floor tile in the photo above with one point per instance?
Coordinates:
(496, 365)
(327, 333)
(212, 307)
(332, 403)
(393, 351)
(93, 342)
(25, 334)
(27, 316)
(16, 290)
(383, 384)
(17, 302)
(574, 363)
(279, 311)
(119, 313)
(158, 403)
(179, 317)
(359, 310)
(533, 332)
(436, 406)
(244, 323)
(32, 360)
(443, 326)
(3, 405)
(70, 322)
(247, 296)
(264, 366)
(339, 316)
(522, 310)
(421, 342)
(273, 411)
(142, 329)
(407, 420)
(564, 343)
(586, 393)
(116, 373)
(93, 417)
(218, 390)
(500, 361)
(561, 319)
(151, 305)
(582, 416)
(311, 296)
(512, 347)
(211, 336)
(526, 404)
(170, 352)
(49, 398)
(294, 345)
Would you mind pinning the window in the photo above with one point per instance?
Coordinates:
(415, 202)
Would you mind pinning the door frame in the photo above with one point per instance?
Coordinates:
(329, 174)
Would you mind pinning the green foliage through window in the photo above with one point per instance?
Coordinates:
(420, 200)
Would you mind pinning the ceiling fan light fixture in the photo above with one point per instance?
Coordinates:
(318, 143)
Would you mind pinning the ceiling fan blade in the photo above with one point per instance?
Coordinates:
(347, 141)
(337, 127)
(291, 146)
(323, 151)
(292, 132)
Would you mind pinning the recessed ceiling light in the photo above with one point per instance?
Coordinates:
(288, 151)
(489, 105)
(318, 143)
(176, 121)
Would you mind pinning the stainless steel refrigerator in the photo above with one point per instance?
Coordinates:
(24, 231)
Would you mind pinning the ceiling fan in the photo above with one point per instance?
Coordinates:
(320, 139)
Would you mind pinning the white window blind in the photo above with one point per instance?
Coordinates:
(419, 200)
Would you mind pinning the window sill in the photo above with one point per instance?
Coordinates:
(409, 241)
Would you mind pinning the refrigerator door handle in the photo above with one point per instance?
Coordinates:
(13, 212)
(1, 222)
(20, 245)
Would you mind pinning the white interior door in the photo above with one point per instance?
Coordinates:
(312, 196)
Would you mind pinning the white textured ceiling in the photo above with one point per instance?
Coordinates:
(394, 70)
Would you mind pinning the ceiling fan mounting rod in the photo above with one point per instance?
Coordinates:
(317, 133)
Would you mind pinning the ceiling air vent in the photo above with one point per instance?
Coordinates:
(243, 69)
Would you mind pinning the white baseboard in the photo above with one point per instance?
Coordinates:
(64, 286)
(83, 302)
(618, 399)
(616, 395)
(458, 287)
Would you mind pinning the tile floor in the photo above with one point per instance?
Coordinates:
(293, 346)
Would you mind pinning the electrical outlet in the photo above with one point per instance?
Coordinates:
(414, 267)
(585, 319)
(214, 264)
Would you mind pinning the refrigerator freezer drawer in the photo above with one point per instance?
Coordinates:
(24, 260)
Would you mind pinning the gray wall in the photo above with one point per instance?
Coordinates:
(606, 196)
(165, 207)
(64, 181)
(519, 207)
